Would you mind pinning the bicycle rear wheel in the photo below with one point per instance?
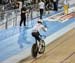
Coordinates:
(34, 50)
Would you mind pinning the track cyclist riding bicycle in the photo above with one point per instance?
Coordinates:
(39, 26)
(39, 46)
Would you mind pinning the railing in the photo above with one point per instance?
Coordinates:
(9, 17)
(12, 17)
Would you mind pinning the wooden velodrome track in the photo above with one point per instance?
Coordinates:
(61, 50)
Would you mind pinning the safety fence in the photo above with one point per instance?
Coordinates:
(8, 17)
(12, 17)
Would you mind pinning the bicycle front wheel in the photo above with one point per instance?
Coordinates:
(41, 47)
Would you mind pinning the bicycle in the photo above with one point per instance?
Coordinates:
(38, 48)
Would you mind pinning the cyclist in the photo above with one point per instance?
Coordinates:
(35, 31)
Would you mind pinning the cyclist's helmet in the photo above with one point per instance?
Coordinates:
(40, 21)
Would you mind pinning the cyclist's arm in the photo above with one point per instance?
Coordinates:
(44, 28)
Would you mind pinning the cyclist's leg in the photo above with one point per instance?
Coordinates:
(33, 34)
(36, 35)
